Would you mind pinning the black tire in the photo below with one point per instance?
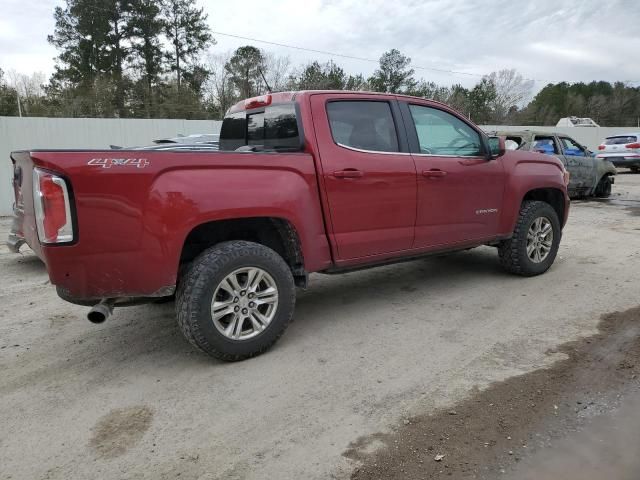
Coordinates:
(196, 289)
(603, 190)
(513, 252)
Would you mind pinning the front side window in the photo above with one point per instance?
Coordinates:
(571, 147)
(546, 145)
(440, 133)
(365, 125)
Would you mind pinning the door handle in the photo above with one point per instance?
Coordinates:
(348, 173)
(435, 173)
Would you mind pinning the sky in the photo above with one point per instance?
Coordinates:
(545, 40)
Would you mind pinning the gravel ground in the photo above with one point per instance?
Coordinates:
(368, 350)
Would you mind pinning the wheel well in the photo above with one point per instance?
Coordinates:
(275, 233)
(552, 196)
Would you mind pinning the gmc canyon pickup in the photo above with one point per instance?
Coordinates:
(314, 181)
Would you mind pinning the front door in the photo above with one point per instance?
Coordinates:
(370, 183)
(580, 164)
(459, 190)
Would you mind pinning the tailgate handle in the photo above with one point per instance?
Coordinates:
(434, 173)
(348, 173)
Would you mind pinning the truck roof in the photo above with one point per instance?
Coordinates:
(290, 96)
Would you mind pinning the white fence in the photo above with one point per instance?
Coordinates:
(30, 132)
(25, 133)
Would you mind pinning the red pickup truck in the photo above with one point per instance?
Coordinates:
(303, 182)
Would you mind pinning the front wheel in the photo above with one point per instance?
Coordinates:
(534, 245)
(603, 190)
(236, 300)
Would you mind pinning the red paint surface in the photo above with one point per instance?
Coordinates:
(132, 222)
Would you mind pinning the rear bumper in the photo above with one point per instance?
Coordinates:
(622, 161)
(626, 162)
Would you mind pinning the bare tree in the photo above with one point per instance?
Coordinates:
(277, 70)
(512, 90)
(218, 87)
(30, 91)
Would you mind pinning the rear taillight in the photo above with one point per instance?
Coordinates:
(632, 145)
(601, 147)
(52, 208)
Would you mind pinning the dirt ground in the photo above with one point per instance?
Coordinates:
(445, 356)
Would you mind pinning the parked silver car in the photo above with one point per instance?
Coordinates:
(622, 150)
(589, 176)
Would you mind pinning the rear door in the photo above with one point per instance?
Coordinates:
(459, 190)
(580, 164)
(368, 174)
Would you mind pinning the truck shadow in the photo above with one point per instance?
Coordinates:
(397, 283)
(147, 338)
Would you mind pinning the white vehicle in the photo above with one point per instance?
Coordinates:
(576, 122)
(622, 150)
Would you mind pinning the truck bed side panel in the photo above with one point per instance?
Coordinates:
(133, 220)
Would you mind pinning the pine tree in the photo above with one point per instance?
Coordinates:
(92, 42)
(187, 30)
(145, 28)
(244, 69)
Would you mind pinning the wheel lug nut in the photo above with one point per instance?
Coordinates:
(243, 293)
(236, 299)
(236, 309)
(251, 304)
(245, 311)
(251, 295)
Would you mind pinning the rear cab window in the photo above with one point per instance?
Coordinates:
(271, 128)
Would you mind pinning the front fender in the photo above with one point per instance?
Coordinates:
(525, 174)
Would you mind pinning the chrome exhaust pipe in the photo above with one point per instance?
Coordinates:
(100, 312)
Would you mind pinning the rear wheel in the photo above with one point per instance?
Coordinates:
(235, 300)
(534, 245)
(603, 190)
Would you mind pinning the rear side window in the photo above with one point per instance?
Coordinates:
(546, 145)
(621, 140)
(274, 128)
(365, 125)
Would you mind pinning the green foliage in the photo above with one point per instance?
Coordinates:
(394, 74)
(8, 98)
(187, 30)
(607, 104)
(328, 76)
(143, 58)
(244, 69)
(144, 31)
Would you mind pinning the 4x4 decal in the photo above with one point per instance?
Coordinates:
(119, 162)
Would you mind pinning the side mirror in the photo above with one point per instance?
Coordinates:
(496, 147)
